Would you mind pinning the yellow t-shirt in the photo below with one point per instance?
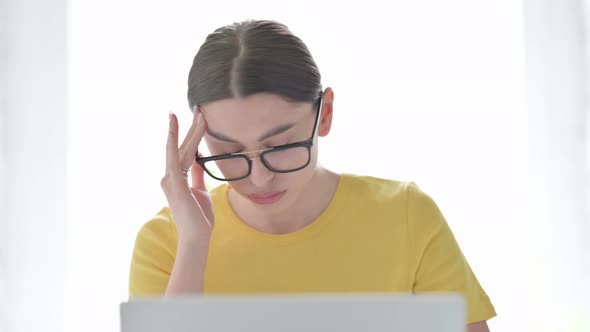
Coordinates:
(375, 236)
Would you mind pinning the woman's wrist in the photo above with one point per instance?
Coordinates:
(198, 240)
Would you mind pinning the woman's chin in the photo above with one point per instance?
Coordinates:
(268, 204)
(267, 199)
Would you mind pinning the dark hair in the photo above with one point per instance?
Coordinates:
(250, 57)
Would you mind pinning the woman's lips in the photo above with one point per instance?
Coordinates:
(266, 198)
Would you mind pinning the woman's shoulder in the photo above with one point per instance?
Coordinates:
(159, 228)
(377, 191)
(377, 187)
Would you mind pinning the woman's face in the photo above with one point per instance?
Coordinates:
(258, 122)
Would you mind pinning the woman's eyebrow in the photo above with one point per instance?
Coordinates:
(220, 137)
(276, 131)
(273, 132)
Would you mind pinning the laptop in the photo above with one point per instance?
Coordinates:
(290, 313)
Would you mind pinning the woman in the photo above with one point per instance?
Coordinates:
(281, 222)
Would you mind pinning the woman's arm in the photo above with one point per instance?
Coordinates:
(191, 208)
(188, 273)
(478, 327)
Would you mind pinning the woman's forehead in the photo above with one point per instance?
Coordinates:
(257, 113)
(257, 103)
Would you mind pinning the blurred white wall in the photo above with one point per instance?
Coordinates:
(4, 83)
(33, 112)
(557, 64)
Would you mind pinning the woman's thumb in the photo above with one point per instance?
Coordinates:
(198, 176)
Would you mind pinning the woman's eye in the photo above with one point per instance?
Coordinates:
(233, 151)
(280, 142)
(277, 145)
(228, 150)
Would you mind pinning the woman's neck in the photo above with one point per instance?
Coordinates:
(310, 204)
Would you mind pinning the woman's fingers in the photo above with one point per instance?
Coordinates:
(198, 176)
(191, 129)
(189, 147)
(172, 144)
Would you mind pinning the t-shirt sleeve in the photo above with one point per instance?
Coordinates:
(439, 264)
(153, 256)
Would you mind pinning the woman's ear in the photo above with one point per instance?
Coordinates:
(327, 112)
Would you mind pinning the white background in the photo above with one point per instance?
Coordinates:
(439, 88)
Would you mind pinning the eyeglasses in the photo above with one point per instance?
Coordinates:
(286, 158)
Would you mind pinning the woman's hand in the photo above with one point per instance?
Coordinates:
(191, 207)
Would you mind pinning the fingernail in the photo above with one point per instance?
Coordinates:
(199, 118)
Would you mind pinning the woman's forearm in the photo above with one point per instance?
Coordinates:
(188, 273)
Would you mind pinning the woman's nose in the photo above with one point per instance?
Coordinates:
(260, 175)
